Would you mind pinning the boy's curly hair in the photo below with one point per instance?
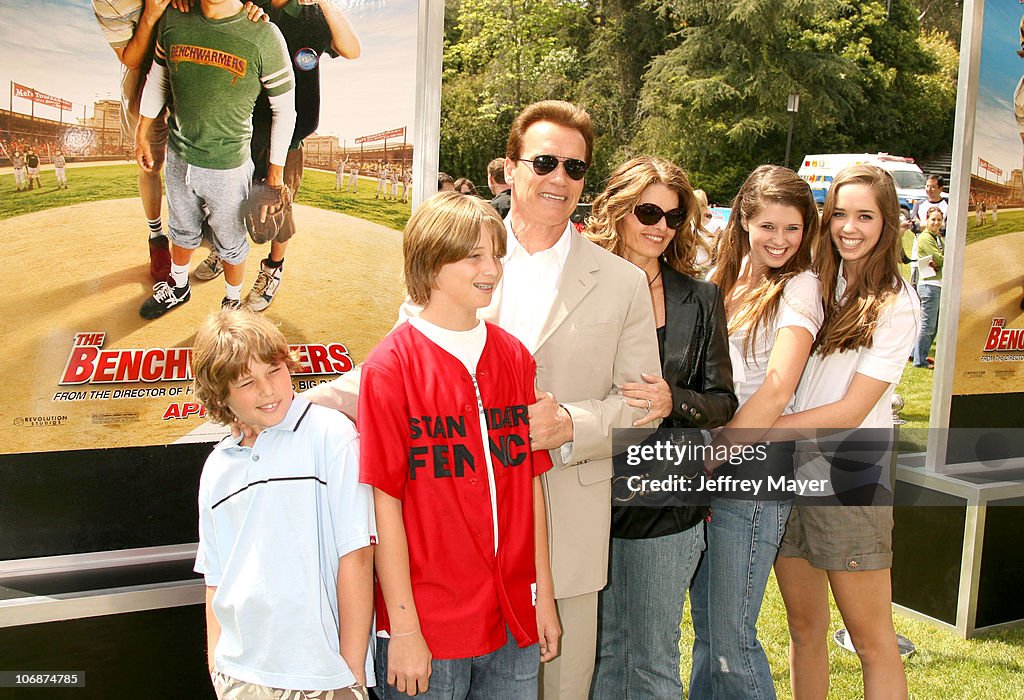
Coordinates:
(226, 345)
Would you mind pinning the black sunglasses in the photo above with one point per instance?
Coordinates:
(650, 214)
(542, 165)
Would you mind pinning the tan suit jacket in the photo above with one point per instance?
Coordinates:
(598, 335)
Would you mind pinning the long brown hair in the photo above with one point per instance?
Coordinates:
(767, 184)
(850, 322)
(626, 185)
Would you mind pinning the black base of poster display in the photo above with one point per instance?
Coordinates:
(96, 556)
(155, 654)
(1001, 416)
(956, 555)
(57, 503)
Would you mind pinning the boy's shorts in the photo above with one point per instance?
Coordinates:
(228, 688)
(32, 172)
(195, 195)
(840, 538)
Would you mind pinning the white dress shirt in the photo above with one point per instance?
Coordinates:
(529, 283)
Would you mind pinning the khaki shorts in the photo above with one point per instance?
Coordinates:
(228, 688)
(840, 538)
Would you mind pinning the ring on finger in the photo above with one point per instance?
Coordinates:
(648, 405)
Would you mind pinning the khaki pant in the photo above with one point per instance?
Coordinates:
(228, 688)
(568, 676)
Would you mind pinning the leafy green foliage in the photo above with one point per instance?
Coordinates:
(500, 56)
(701, 82)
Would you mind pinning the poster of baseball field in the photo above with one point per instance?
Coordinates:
(98, 328)
(990, 342)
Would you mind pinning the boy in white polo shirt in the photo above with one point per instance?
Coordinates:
(285, 527)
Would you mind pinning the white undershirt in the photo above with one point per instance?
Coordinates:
(467, 347)
(529, 283)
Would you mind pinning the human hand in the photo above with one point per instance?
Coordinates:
(252, 11)
(548, 628)
(653, 393)
(409, 663)
(550, 424)
(243, 430)
(154, 9)
(144, 154)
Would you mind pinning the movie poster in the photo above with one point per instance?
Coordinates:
(990, 342)
(81, 368)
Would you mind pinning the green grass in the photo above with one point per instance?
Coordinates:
(318, 191)
(87, 184)
(90, 184)
(1009, 222)
(945, 667)
(916, 389)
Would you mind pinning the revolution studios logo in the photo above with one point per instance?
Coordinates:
(39, 421)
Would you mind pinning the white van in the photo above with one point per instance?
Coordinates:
(818, 171)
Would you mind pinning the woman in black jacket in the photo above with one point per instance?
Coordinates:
(648, 215)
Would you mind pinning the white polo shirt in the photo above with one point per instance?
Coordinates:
(274, 519)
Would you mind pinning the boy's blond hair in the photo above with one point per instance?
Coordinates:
(226, 345)
(444, 229)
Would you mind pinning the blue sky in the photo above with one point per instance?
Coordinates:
(56, 47)
(996, 136)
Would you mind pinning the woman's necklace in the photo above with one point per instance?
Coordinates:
(655, 279)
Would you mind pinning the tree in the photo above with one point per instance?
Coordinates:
(626, 37)
(502, 55)
(943, 16)
(715, 102)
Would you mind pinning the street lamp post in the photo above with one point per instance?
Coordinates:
(792, 106)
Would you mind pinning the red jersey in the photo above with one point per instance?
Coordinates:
(420, 442)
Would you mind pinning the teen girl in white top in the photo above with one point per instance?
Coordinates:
(869, 330)
(773, 305)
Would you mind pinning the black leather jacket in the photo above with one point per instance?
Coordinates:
(695, 359)
(696, 365)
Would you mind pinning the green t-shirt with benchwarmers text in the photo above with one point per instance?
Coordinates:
(216, 69)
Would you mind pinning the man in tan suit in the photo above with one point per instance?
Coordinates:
(586, 316)
(590, 327)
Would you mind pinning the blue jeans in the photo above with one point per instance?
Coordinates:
(508, 673)
(728, 660)
(930, 296)
(639, 616)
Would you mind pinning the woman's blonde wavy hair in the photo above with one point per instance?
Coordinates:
(625, 187)
(767, 184)
(850, 322)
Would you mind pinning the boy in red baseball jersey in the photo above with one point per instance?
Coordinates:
(465, 597)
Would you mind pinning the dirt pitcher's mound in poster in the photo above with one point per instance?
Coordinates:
(82, 370)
